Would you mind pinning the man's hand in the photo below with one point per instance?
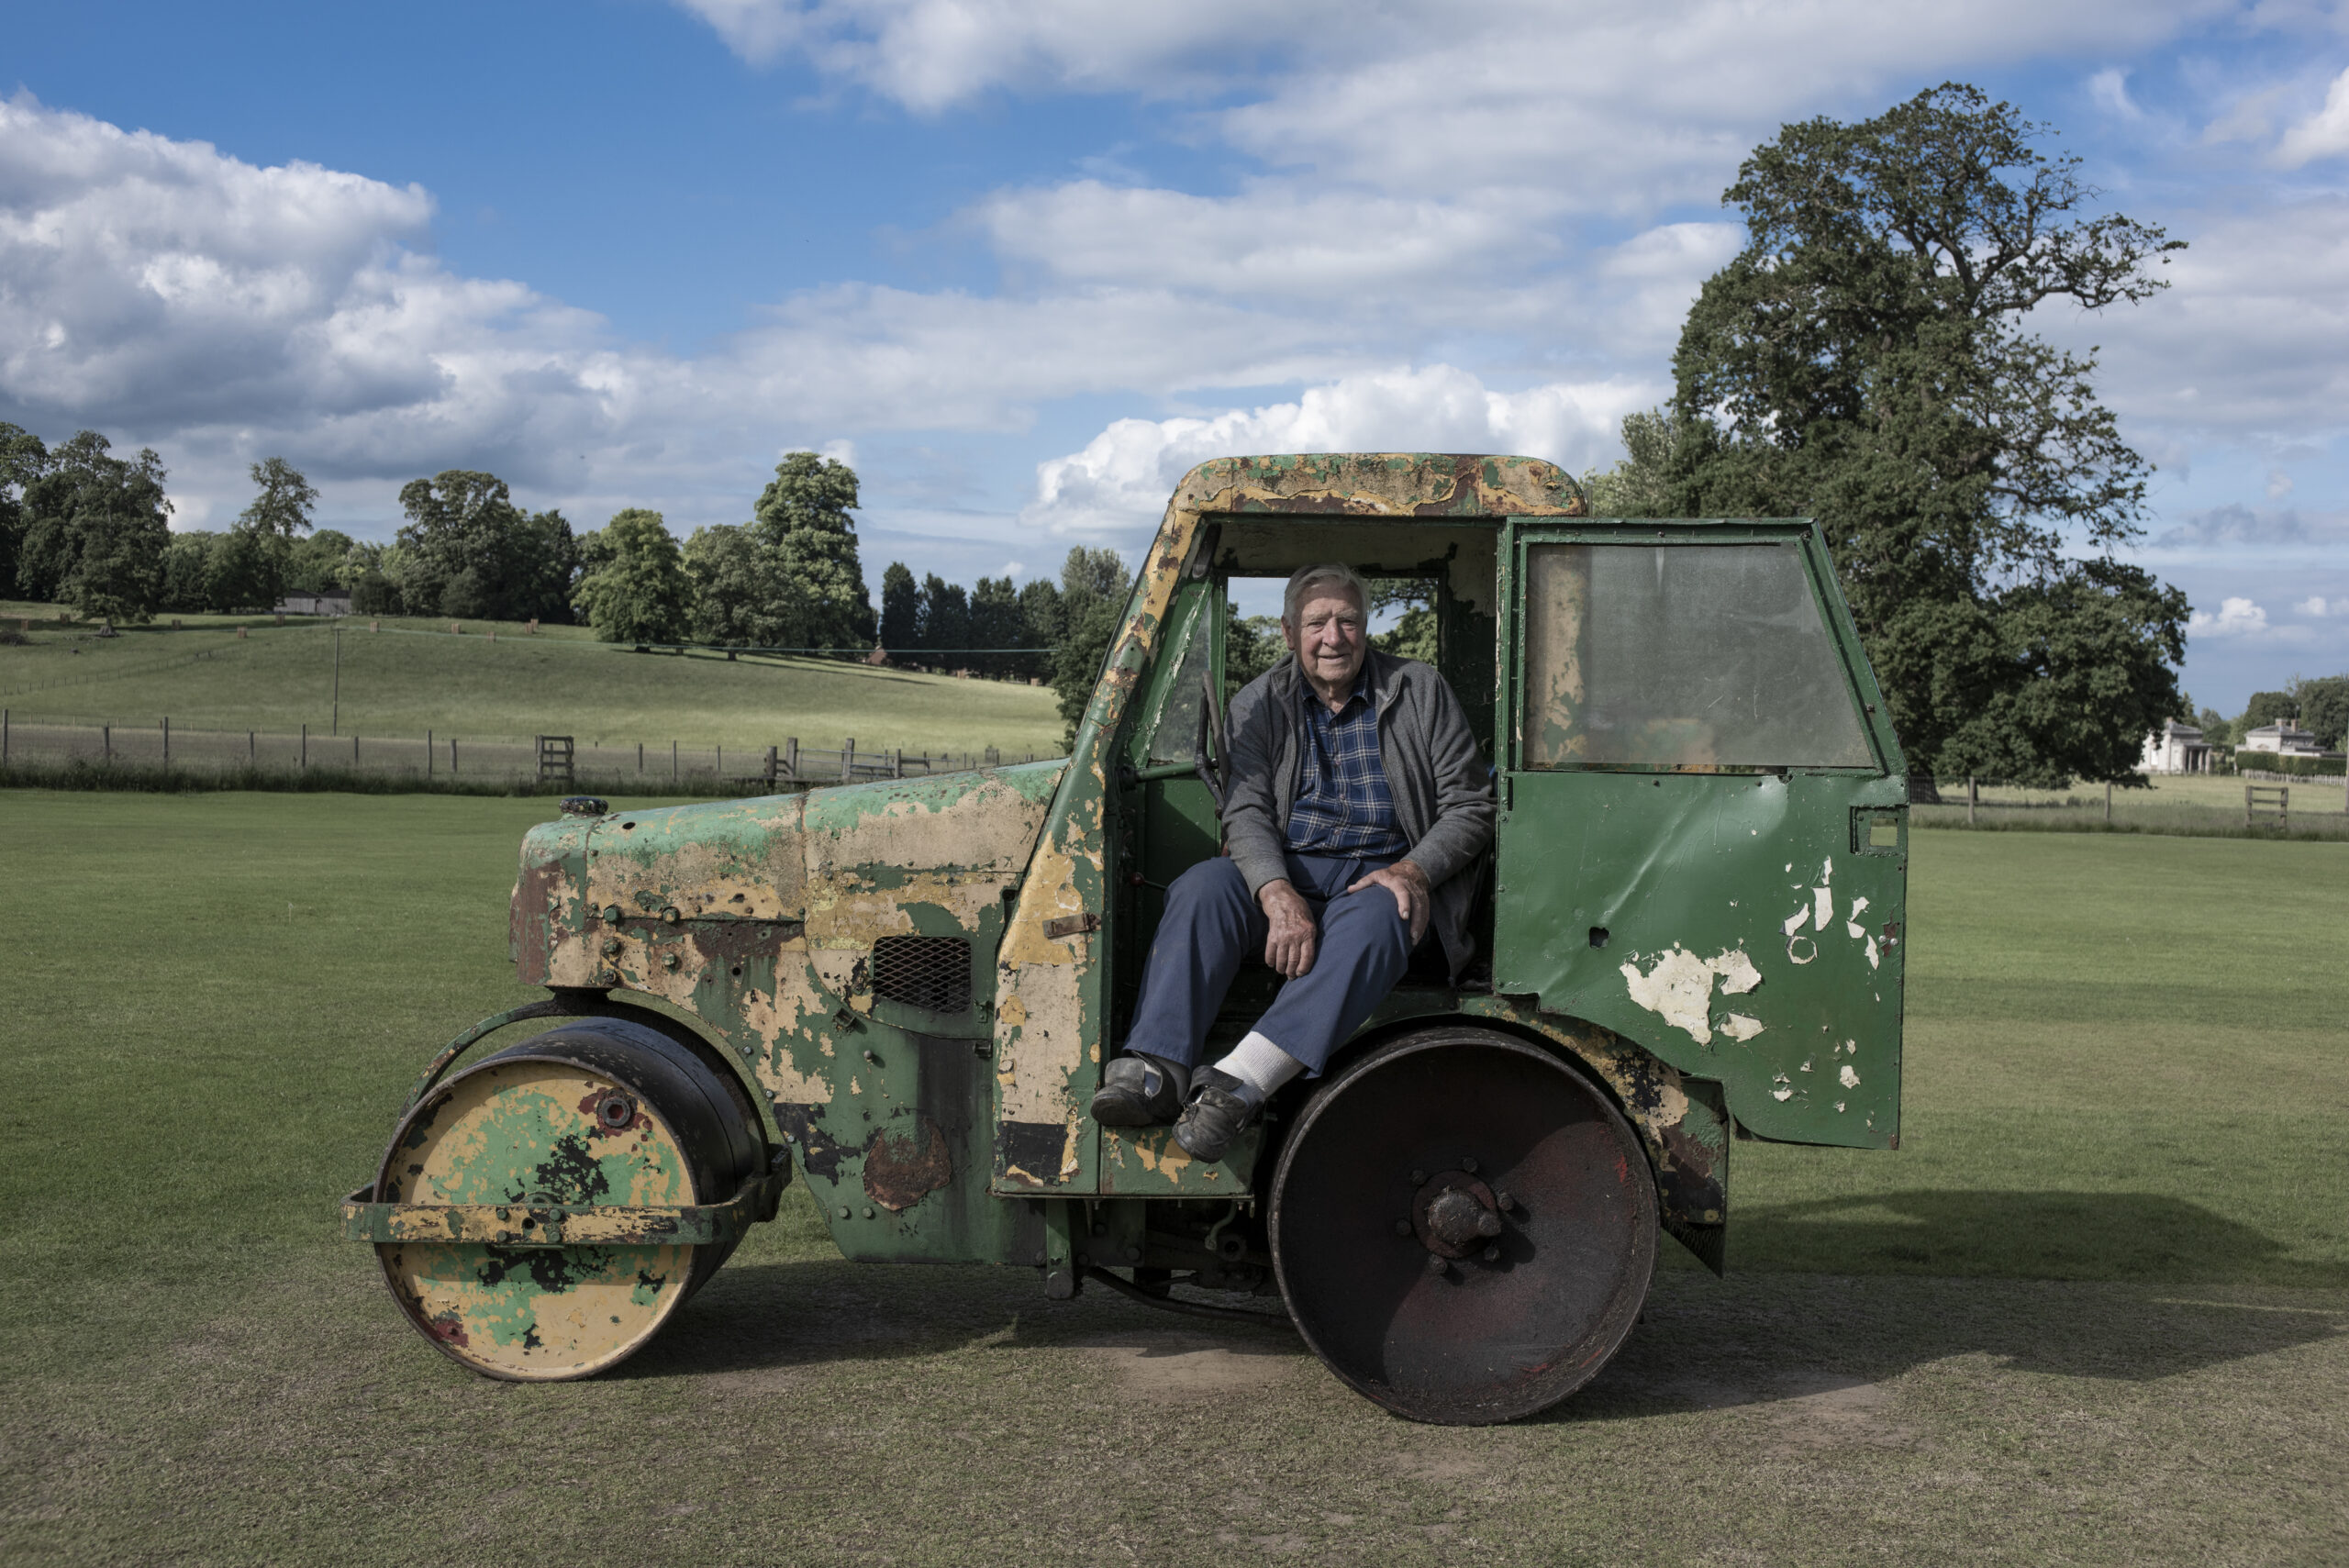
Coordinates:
(1409, 883)
(1290, 946)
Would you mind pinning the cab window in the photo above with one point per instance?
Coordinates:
(1680, 656)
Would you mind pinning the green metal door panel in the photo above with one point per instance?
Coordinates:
(1662, 906)
(1702, 842)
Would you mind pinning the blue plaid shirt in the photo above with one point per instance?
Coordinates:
(1343, 806)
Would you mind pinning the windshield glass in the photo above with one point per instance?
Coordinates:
(1681, 655)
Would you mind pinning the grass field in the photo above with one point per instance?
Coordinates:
(2093, 1312)
(413, 676)
(2195, 805)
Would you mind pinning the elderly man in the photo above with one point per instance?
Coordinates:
(1358, 806)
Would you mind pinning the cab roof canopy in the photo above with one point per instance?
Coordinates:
(1388, 514)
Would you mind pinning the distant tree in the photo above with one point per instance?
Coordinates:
(242, 572)
(2324, 708)
(638, 592)
(322, 564)
(2265, 708)
(472, 553)
(186, 561)
(1251, 645)
(23, 460)
(945, 621)
(2215, 727)
(994, 624)
(374, 572)
(802, 518)
(96, 532)
(1413, 635)
(900, 609)
(737, 591)
(1093, 588)
(1041, 618)
(278, 517)
(1864, 362)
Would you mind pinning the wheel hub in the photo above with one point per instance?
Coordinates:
(1454, 1215)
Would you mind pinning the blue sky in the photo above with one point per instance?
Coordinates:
(1025, 262)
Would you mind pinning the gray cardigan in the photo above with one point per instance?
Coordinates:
(1444, 793)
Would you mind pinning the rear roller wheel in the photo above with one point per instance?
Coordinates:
(600, 1111)
(1463, 1227)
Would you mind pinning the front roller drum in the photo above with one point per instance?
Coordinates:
(600, 1112)
(1463, 1227)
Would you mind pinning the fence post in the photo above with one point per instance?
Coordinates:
(252, 749)
(302, 766)
(427, 753)
(847, 760)
(673, 761)
(167, 741)
(453, 754)
(4, 734)
(791, 756)
(769, 766)
(2107, 800)
(105, 739)
(640, 745)
(1971, 795)
(718, 768)
(354, 753)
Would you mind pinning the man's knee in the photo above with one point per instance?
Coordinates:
(1209, 883)
(1372, 918)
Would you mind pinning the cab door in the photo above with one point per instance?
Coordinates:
(1703, 834)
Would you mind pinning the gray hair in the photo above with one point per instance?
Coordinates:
(1305, 577)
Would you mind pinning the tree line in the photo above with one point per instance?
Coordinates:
(84, 527)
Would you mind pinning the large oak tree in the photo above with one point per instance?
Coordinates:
(1867, 360)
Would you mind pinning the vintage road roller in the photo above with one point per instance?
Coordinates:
(902, 992)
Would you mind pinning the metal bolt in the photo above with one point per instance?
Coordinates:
(868, 1214)
(872, 1059)
(1503, 1199)
(844, 1211)
(1492, 1254)
(1436, 1265)
(1402, 1228)
(669, 961)
(1469, 1166)
(611, 946)
(611, 911)
(1488, 1224)
(1133, 1254)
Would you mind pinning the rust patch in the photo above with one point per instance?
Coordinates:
(901, 1170)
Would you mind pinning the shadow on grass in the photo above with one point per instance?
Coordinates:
(764, 1317)
(1806, 1341)
(1854, 1293)
(2142, 1237)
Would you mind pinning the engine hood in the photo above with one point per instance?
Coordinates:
(840, 863)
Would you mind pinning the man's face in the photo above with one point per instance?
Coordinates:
(1327, 636)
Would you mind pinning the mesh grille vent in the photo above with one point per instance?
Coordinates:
(933, 972)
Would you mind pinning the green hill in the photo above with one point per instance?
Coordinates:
(413, 675)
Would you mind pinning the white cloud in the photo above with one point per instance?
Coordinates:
(2236, 617)
(1122, 477)
(2109, 90)
(2279, 484)
(2325, 134)
(2313, 605)
(2250, 343)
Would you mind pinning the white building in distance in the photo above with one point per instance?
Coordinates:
(2175, 748)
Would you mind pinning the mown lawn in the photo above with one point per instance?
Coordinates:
(2092, 1312)
(413, 676)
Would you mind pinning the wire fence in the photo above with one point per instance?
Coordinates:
(622, 764)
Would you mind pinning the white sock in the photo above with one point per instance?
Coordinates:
(1261, 1064)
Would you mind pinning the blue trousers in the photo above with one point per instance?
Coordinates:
(1212, 926)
